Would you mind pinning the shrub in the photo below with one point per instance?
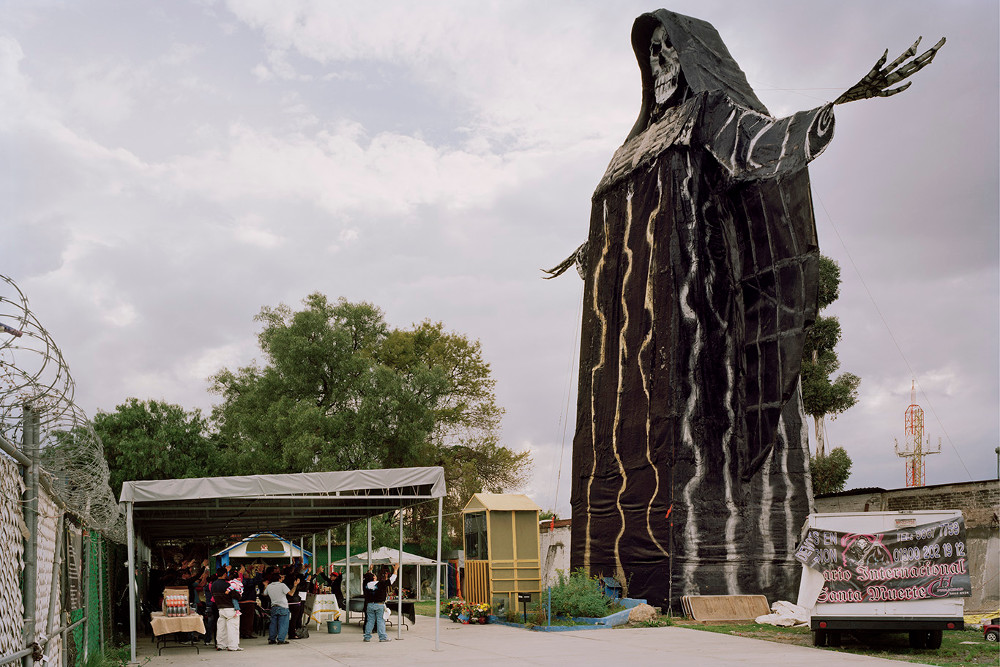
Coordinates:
(579, 595)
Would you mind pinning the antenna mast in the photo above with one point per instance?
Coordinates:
(917, 445)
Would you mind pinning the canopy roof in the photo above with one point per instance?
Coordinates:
(504, 502)
(386, 555)
(293, 505)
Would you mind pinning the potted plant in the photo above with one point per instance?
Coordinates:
(480, 613)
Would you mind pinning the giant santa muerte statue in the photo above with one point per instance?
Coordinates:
(690, 460)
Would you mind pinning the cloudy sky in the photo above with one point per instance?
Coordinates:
(170, 167)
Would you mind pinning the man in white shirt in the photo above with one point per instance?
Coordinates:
(375, 593)
(278, 592)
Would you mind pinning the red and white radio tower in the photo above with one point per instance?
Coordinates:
(917, 444)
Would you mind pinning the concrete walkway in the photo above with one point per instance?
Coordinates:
(488, 645)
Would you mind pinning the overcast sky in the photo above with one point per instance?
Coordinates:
(168, 168)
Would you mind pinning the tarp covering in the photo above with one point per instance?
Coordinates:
(292, 505)
(386, 556)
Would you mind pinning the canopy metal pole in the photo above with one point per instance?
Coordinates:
(437, 587)
(131, 577)
(329, 560)
(347, 555)
(364, 614)
(314, 560)
(399, 580)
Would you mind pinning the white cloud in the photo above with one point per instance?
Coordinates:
(340, 171)
(261, 238)
(181, 53)
(481, 61)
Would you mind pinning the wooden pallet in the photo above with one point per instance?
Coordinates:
(724, 608)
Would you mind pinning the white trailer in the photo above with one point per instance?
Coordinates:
(923, 619)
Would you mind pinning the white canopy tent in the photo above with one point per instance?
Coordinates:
(295, 505)
(264, 545)
(385, 556)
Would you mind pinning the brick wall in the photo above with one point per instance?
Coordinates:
(979, 501)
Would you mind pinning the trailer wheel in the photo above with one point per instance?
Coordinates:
(934, 638)
(819, 637)
(918, 638)
(992, 636)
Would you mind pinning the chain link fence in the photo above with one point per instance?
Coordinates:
(59, 522)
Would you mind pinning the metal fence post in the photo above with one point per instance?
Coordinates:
(87, 597)
(100, 591)
(56, 577)
(29, 583)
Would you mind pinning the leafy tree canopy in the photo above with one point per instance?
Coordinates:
(830, 472)
(154, 440)
(324, 400)
(823, 394)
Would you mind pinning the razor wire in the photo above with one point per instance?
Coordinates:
(34, 374)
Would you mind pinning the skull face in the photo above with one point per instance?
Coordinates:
(665, 65)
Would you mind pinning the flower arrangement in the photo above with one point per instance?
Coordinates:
(480, 612)
(460, 611)
(454, 609)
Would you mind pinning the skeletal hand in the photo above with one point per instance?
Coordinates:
(876, 83)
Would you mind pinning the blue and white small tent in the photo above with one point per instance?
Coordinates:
(263, 545)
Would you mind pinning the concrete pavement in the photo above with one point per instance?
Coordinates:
(489, 645)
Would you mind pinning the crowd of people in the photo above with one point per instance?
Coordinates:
(225, 596)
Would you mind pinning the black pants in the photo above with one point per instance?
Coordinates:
(294, 618)
(211, 616)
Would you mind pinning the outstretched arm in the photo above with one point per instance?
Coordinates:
(579, 258)
(877, 82)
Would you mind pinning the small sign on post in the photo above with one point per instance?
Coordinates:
(524, 598)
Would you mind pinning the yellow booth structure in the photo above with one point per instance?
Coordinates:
(501, 550)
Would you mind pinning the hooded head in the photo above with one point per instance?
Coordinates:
(680, 56)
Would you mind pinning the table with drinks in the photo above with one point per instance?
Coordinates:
(177, 617)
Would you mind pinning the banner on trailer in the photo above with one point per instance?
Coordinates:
(914, 563)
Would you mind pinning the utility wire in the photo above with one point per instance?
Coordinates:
(899, 349)
(564, 417)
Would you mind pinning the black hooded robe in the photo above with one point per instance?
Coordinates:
(690, 459)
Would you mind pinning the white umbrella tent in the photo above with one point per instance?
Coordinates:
(264, 545)
(383, 556)
(293, 505)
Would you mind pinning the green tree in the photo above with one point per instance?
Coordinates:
(338, 389)
(830, 472)
(323, 401)
(155, 440)
(822, 394)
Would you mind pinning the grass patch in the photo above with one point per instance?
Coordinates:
(892, 646)
(113, 656)
(426, 607)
